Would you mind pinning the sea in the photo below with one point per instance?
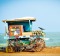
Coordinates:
(52, 39)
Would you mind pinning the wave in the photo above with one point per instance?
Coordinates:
(46, 38)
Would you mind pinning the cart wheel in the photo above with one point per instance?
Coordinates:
(36, 45)
(39, 44)
(6, 49)
(9, 49)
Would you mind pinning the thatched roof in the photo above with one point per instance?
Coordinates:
(20, 19)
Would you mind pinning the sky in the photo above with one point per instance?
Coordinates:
(46, 12)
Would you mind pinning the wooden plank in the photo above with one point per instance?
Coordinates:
(27, 33)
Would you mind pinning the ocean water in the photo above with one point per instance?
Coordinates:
(54, 39)
(51, 39)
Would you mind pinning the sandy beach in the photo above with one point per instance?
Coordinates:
(48, 51)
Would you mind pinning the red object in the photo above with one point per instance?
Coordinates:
(16, 37)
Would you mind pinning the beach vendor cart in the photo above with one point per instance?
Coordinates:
(22, 37)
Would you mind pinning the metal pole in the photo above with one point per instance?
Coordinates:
(30, 24)
(6, 28)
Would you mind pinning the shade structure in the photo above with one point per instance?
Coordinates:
(21, 19)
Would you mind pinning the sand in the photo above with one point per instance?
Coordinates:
(48, 51)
